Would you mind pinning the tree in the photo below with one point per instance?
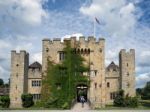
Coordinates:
(139, 91)
(5, 101)
(1, 82)
(146, 92)
(27, 100)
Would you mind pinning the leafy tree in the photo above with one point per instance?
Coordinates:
(59, 85)
(139, 91)
(27, 100)
(146, 92)
(1, 82)
(5, 101)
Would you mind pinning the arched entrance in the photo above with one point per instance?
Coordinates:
(82, 90)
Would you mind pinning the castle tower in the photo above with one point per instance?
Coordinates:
(92, 51)
(127, 71)
(18, 77)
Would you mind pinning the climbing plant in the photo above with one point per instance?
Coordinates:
(59, 85)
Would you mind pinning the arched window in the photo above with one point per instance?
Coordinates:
(81, 51)
(78, 50)
(85, 50)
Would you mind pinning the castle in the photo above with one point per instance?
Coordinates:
(104, 81)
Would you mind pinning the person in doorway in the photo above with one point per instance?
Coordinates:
(82, 100)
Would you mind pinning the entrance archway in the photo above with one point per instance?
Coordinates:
(81, 91)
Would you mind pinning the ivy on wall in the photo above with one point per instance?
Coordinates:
(59, 85)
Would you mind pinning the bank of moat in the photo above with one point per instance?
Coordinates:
(104, 81)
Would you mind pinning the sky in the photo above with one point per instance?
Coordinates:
(125, 24)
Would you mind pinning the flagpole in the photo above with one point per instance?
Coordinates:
(94, 27)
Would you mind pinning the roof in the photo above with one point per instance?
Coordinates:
(112, 65)
(35, 65)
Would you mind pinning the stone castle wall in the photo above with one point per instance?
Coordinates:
(18, 77)
(127, 71)
(93, 51)
(96, 59)
(34, 81)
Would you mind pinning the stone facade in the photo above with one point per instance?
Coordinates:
(18, 77)
(104, 81)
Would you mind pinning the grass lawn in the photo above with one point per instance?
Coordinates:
(143, 105)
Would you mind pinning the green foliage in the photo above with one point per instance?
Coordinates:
(145, 95)
(5, 101)
(59, 85)
(27, 100)
(1, 82)
(121, 101)
(138, 91)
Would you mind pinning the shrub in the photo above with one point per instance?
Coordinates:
(131, 102)
(121, 101)
(5, 101)
(145, 95)
(65, 105)
(27, 100)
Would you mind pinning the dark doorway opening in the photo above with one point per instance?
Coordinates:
(82, 92)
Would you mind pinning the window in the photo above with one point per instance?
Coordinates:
(95, 85)
(36, 83)
(95, 72)
(113, 95)
(127, 65)
(17, 75)
(36, 96)
(108, 84)
(128, 74)
(100, 50)
(47, 49)
(61, 55)
(114, 69)
(100, 85)
(17, 65)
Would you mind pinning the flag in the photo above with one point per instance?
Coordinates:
(97, 20)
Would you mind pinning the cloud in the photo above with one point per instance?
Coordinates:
(20, 16)
(144, 59)
(37, 57)
(118, 15)
(142, 79)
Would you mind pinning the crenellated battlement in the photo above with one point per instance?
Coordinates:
(82, 39)
(20, 52)
(124, 51)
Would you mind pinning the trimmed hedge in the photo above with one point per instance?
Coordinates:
(27, 100)
(5, 101)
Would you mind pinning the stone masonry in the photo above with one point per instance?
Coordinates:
(104, 81)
